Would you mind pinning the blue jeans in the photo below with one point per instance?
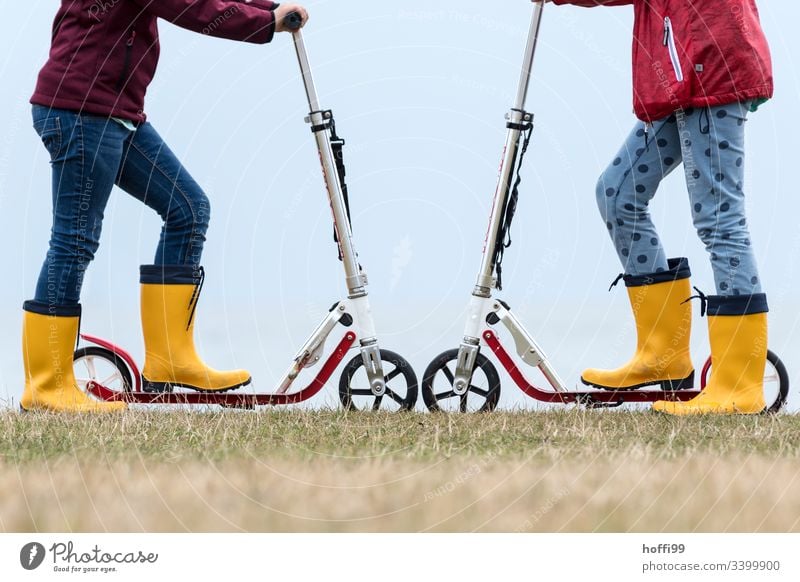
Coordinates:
(710, 144)
(89, 156)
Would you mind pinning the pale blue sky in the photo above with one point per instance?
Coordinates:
(420, 93)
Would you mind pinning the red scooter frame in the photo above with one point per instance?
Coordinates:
(135, 395)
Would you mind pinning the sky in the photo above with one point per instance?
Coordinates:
(419, 92)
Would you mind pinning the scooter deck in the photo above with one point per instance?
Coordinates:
(591, 398)
(231, 399)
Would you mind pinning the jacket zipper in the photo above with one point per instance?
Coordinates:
(669, 42)
(126, 67)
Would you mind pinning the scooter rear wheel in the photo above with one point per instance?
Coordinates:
(401, 385)
(437, 385)
(102, 366)
(776, 382)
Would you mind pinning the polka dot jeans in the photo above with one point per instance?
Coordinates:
(710, 144)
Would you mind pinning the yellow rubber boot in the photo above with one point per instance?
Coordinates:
(663, 328)
(737, 331)
(169, 298)
(48, 344)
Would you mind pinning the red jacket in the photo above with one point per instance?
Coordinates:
(104, 52)
(694, 53)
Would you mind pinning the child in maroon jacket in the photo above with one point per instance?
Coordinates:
(88, 109)
(699, 68)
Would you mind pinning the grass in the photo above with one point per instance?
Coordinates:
(565, 470)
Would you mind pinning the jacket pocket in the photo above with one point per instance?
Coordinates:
(126, 65)
(672, 48)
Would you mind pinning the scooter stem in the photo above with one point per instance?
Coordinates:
(530, 51)
(517, 119)
(305, 69)
(355, 278)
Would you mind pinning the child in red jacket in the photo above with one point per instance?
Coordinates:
(699, 68)
(88, 109)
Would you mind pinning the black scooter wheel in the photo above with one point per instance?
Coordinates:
(776, 382)
(437, 385)
(401, 385)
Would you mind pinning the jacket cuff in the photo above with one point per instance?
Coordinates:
(267, 32)
(264, 9)
(264, 4)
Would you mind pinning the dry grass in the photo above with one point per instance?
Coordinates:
(331, 471)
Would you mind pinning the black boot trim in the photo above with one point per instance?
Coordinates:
(737, 304)
(169, 274)
(678, 269)
(54, 310)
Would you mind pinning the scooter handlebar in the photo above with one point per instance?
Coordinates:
(293, 21)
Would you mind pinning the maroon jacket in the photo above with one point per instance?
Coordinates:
(694, 53)
(104, 52)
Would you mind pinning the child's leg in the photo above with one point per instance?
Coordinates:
(713, 150)
(85, 154)
(150, 172)
(656, 287)
(170, 289)
(625, 189)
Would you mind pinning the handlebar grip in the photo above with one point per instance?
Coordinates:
(293, 21)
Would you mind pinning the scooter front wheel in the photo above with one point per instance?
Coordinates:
(101, 366)
(776, 381)
(437, 385)
(401, 385)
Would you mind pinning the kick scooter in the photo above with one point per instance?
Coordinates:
(464, 379)
(373, 379)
